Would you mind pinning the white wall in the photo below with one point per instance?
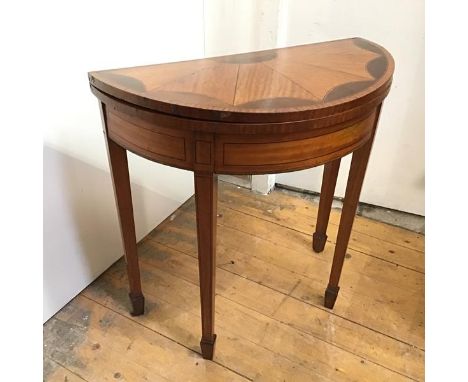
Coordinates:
(81, 234)
(234, 26)
(395, 176)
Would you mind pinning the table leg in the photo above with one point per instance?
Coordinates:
(353, 190)
(206, 192)
(121, 181)
(330, 174)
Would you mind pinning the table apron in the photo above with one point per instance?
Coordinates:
(236, 153)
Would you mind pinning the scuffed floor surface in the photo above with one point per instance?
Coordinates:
(270, 321)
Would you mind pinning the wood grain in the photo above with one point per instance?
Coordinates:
(286, 84)
(107, 346)
(236, 153)
(281, 258)
(287, 152)
(152, 142)
(330, 175)
(262, 310)
(382, 241)
(254, 126)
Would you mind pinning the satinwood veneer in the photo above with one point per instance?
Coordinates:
(262, 112)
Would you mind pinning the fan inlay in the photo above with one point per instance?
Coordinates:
(294, 79)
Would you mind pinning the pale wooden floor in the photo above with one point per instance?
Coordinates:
(270, 320)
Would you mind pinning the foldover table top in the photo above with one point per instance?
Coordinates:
(262, 112)
(285, 84)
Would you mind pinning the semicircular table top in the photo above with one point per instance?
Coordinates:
(294, 83)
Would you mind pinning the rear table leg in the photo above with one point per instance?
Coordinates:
(330, 174)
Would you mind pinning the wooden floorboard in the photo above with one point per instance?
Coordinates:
(54, 372)
(270, 319)
(384, 241)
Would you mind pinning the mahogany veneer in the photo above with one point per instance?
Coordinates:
(262, 112)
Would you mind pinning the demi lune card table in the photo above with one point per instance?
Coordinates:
(263, 112)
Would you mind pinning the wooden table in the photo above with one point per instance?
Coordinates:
(262, 112)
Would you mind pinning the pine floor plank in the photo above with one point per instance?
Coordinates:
(358, 339)
(240, 328)
(298, 203)
(376, 294)
(270, 319)
(173, 310)
(98, 344)
(384, 241)
(53, 372)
